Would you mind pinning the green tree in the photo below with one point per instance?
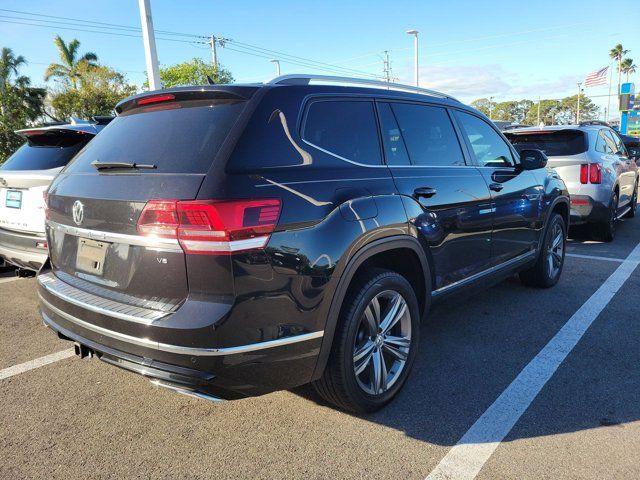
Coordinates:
(549, 109)
(99, 90)
(194, 72)
(483, 105)
(73, 65)
(628, 67)
(569, 107)
(617, 53)
(20, 103)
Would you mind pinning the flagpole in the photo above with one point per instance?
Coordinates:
(609, 96)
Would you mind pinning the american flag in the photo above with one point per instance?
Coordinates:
(599, 77)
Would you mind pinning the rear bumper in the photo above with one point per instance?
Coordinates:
(584, 209)
(21, 250)
(169, 351)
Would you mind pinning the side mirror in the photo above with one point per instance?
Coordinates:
(532, 159)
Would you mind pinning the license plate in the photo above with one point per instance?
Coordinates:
(91, 255)
(14, 199)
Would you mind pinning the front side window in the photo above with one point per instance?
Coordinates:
(428, 135)
(488, 147)
(619, 146)
(345, 128)
(603, 144)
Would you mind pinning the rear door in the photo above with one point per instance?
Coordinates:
(446, 200)
(94, 211)
(627, 168)
(26, 175)
(516, 193)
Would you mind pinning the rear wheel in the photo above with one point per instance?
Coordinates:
(634, 202)
(548, 267)
(607, 230)
(375, 343)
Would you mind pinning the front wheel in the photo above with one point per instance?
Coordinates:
(548, 267)
(375, 343)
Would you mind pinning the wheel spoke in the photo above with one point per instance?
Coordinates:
(362, 357)
(550, 262)
(397, 309)
(395, 352)
(372, 315)
(398, 342)
(557, 258)
(557, 240)
(379, 372)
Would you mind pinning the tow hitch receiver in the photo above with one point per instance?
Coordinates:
(82, 351)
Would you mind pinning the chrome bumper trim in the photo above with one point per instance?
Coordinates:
(97, 304)
(164, 347)
(169, 244)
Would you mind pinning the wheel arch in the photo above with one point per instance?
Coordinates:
(370, 255)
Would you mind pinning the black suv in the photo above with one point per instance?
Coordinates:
(233, 240)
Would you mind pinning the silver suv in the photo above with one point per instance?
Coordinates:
(593, 162)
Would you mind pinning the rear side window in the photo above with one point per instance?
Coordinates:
(46, 152)
(553, 143)
(179, 137)
(344, 128)
(488, 146)
(428, 135)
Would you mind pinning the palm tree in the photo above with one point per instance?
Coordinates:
(9, 66)
(628, 67)
(71, 61)
(617, 53)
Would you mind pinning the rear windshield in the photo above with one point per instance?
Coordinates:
(34, 156)
(176, 137)
(558, 143)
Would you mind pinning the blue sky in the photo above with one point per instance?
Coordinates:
(504, 49)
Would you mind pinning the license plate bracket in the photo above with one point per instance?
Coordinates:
(91, 255)
(13, 199)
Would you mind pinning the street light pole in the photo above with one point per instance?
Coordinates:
(277, 62)
(578, 109)
(415, 56)
(149, 41)
(490, 108)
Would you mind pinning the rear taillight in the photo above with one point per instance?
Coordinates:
(165, 97)
(211, 227)
(590, 173)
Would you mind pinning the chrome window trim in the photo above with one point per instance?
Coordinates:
(177, 349)
(47, 282)
(168, 244)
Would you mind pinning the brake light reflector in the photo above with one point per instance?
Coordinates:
(156, 99)
(212, 227)
(595, 173)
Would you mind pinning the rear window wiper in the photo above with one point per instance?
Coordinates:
(98, 165)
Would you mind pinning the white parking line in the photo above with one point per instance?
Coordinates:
(467, 457)
(37, 363)
(594, 257)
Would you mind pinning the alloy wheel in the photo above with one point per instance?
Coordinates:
(382, 342)
(555, 250)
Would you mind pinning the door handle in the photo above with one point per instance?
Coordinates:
(426, 192)
(496, 187)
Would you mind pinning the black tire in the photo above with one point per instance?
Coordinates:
(543, 274)
(634, 203)
(339, 384)
(606, 231)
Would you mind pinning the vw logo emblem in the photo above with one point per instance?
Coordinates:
(78, 212)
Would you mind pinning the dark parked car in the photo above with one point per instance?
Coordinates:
(233, 240)
(633, 146)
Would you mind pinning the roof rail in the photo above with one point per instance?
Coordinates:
(594, 122)
(301, 79)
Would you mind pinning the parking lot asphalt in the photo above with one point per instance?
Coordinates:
(74, 418)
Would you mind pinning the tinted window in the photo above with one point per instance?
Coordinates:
(619, 146)
(29, 157)
(552, 143)
(345, 128)
(183, 137)
(428, 135)
(394, 147)
(603, 145)
(488, 147)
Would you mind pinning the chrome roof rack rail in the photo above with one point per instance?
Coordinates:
(300, 79)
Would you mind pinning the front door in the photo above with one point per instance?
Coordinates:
(516, 193)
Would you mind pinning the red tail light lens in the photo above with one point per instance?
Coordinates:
(156, 99)
(212, 227)
(584, 174)
(595, 173)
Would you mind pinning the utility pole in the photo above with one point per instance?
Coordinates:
(538, 121)
(415, 56)
(386, 69)
(277, 63)
(490, 108)
(149, 40)
(606, 119)
(578, 109)
(214, 53)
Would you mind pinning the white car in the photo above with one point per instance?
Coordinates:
(25, 177)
